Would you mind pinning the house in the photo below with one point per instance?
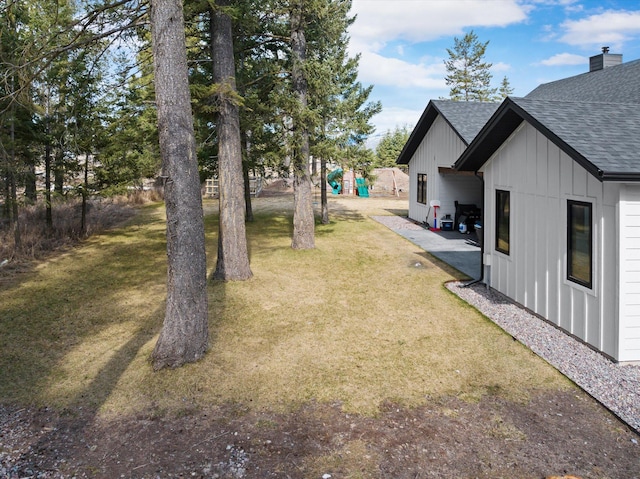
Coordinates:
(561, 206)
(441, 135)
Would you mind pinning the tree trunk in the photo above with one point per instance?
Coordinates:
(303, 218)
(30, 190)
(323, 191)
(184, 336)
(233, 256)
(58, 171)
(248, 216)
(47, 181)
(15, 217)
(85, 191)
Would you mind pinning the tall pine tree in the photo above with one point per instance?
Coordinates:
(468, 73)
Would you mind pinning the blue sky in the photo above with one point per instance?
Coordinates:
(403, 45)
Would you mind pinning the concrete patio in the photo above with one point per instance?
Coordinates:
(462, 251)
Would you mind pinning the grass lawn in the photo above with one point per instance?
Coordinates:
(362, 319)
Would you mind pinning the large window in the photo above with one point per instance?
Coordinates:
(502, 221)
(422, 188)
(579, 242)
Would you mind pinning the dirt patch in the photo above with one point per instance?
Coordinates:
(553, 434)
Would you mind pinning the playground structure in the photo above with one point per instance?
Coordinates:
(345, 182)
(335, 180)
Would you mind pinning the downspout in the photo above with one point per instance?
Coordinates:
(481, 278)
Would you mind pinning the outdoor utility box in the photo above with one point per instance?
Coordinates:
(446, 225)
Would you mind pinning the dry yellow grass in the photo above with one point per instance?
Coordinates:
(353, 321)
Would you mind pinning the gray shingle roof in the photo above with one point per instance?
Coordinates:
(602, 137)
(616, 84)
(594, 117)
(607, 135)
(465, 118)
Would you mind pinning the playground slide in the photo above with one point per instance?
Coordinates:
(363, 190)
(333, 180)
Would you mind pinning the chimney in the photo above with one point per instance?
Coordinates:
(604, 60)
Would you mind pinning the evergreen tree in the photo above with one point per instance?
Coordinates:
(233, 256)
(504, 90)
(131, 153)
(390, 147)
(468, 73)
(337, 99)
(303, 216)
(184, 336)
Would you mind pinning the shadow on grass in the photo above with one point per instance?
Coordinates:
(70, 329)
(69, 301)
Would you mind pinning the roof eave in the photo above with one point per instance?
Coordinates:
(495, 132)
(617, 176)
(502, 124)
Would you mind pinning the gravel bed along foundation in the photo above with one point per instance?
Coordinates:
(614, 385)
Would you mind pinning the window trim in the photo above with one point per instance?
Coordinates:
(574, 279)
(497, 226)
(421, 179)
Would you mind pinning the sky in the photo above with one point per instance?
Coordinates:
(403, 45)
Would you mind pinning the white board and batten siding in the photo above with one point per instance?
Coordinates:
(440, 147)
(630, 273)
(541, 178)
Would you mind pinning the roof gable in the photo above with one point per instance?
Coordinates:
(603, 138)
(465, 118)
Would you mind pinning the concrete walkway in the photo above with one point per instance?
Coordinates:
(462, 251)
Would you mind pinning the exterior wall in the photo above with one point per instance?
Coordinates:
(541, 178)
(629, 273)
(440, 147)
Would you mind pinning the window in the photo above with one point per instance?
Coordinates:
(502, 221)
(579, 242)
(422, 188)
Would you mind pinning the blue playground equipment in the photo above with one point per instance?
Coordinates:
(363, 190)
(333, 180)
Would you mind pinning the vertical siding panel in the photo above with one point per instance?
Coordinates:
(595, 319)
(581, 311)
(518, 156)
(566, 295)
(441, 146)
(629, 332)
(541, 228)
(554, 215)
(551, 266)
(610, 269)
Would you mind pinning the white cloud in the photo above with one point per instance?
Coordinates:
(390, 119)
(379, 70)
(562, 59)
(500, 67)
(381, 21)
(611, 28)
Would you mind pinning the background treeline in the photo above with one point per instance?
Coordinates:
(77, 100)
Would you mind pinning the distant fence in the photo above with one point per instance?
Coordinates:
(211, 187)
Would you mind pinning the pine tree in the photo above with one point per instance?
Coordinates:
(390, 146)
(233, 256)
(505, 89)
(184, 336)
(468, 73)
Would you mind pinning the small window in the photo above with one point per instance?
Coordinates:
(502, 221)
(422, 188)
(579, 242)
